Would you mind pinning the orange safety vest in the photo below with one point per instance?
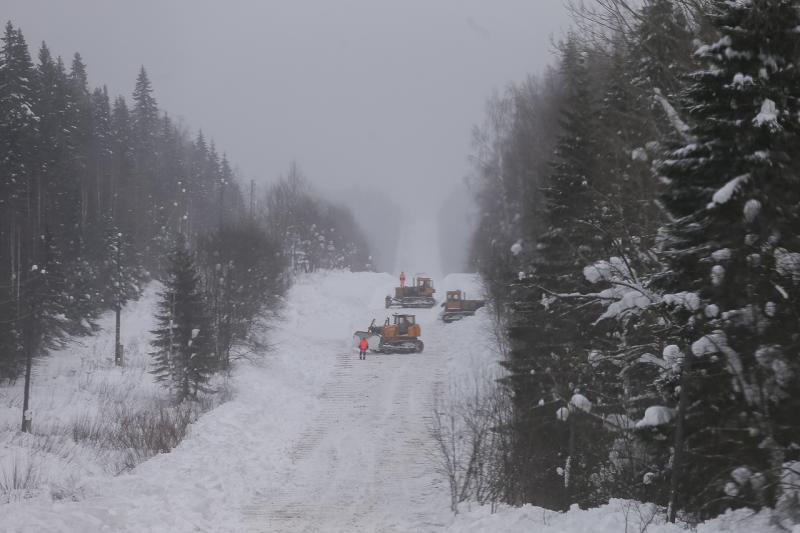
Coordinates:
(364, 344)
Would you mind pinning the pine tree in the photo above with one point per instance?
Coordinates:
(144, 145)
(550, 341)
(734, 193)
(18, 130)
(99, 163)
(183, 344)
(663, 47)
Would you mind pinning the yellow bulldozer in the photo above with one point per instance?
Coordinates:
(419, 294)
(399, 336)
(456, 306)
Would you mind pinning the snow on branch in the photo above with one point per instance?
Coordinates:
(680, 126)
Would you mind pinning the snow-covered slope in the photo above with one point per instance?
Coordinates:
(313, 440)
(76, 390)
(309, 423)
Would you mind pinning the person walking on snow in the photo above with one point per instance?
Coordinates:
(363, 346)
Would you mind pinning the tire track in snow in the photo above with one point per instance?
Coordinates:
(365, 461)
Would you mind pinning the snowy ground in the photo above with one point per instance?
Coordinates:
(313, 440)
(309, 428)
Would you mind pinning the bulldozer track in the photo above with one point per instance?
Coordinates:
(365, 462)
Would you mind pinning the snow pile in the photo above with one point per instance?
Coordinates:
(615, 517)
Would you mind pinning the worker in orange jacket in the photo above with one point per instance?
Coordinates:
(363, 346)
(402, 279)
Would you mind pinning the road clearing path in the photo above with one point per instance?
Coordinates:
(366, 460)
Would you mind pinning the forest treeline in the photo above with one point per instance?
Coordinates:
(639, 240)
(98, 196)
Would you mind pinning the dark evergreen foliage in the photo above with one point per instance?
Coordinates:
(183, 356)
(734, 194)
(653, 271)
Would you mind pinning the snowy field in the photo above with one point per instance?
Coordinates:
(312, 439)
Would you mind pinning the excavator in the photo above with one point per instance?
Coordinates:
(419, 294)
(400, 336)
(456, 306)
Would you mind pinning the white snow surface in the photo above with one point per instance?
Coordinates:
(616, 517)
(313, 440)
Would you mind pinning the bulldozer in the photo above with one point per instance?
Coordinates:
(400, 336)
(419, 294)
(456, 306)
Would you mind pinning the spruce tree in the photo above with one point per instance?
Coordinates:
(183, 343)
(144, 145)
(734, 193)
(18, 130)
(549, 340)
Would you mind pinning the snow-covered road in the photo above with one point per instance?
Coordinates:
(365, 461)
(313, 440)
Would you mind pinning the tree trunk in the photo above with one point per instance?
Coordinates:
(568, 463)
(118, 307)
(27, 416)
(117, 346)
(680, 430)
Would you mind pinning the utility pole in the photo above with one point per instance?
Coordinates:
(222, 184)
(252, 197)
(118, 304)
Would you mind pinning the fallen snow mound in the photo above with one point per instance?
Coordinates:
(615, 517)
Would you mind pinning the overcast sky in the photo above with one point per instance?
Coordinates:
(357, 91)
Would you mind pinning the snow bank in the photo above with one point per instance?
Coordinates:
(615, 517)
(233, 451)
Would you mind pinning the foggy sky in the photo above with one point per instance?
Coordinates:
(357, 91)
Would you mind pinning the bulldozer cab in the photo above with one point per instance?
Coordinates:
(453, 300)
(406, 325)
(403, 322)
(425, 286)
